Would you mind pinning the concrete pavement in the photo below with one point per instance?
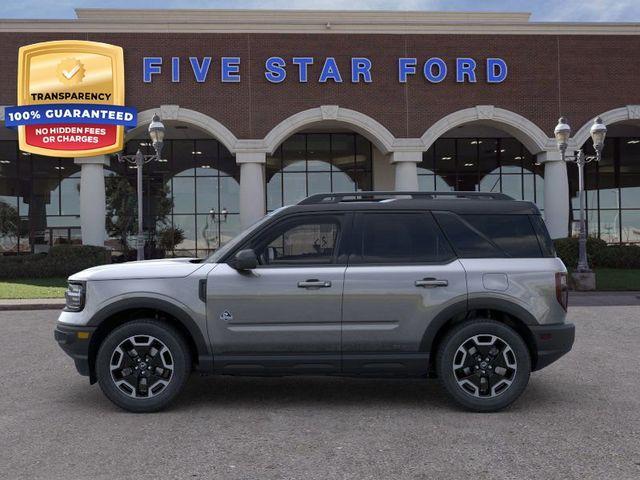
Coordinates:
(578, 419)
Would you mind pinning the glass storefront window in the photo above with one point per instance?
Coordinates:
(630, 226)
(481, 164)
(308, 163)
(195, 188)
(612, 190)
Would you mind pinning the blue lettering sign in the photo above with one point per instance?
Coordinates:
(465, 67)
(175, 69)
(428, 70)
(406, 66)
(200, 71)
(496, 70)
(230, 69)
(434, 69)
(330, 71)
(303, 65)
(275, 69)
(151, 66)
(360, 67)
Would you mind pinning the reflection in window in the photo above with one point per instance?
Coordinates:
(612, 191)
(201, 181)
(309, 163)
(482, 164)
(308, 243)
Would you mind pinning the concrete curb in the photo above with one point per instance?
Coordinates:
(32, 304)
(603, 299)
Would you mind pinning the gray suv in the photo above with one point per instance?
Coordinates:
(461, 286)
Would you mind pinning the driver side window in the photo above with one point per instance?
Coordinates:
(302, 243)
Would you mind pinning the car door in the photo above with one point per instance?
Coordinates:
(402, 273)
(285, 314)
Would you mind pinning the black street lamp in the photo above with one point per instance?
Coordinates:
(156, 133)
(562, 133)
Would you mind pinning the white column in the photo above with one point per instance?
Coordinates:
(93, 209)
(556, 194)
(252, 187)
(406, 166)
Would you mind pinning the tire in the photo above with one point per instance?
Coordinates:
(165, 359)
(461, 369)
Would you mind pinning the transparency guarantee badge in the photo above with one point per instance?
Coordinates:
(71, 99)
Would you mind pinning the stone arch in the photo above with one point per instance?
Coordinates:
(374, 131)
(197, 119)
(629, 112)
(527, 132)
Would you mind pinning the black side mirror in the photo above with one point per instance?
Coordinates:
(245, 260)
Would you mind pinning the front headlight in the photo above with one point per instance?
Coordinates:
(74, 297)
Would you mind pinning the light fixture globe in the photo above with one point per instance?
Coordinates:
(598, 133)
(562, 133)
(156, 133)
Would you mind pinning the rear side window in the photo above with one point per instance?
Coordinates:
(468, 241)
(514, 234)
(546, 244)
(402, 238)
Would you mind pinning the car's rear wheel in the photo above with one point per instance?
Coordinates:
(484, 365)
(143, 365)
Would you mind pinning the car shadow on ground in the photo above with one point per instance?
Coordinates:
(302, 392)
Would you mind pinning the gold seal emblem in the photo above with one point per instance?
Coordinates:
(70, 71)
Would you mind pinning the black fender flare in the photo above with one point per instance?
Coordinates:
(205, 358)
(462, 308)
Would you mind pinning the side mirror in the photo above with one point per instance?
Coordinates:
(245, 260)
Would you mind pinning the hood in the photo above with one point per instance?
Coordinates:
(165, 268)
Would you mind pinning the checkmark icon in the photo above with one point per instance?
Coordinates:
(71, 73)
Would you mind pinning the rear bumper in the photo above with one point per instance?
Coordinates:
(75, 343)
(552, 342)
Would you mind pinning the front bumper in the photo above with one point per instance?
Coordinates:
(75, 343)
(552, 342)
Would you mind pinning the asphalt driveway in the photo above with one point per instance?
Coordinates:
(579, 418)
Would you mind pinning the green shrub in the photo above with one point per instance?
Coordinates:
(61, 261)
(599, 254)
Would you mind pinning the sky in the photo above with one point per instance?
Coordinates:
(542, 10)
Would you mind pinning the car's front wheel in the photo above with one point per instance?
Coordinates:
(484, 365)
(143, 365)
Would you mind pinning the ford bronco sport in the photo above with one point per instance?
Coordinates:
(460, 285)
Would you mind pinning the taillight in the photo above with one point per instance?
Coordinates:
(562, 290)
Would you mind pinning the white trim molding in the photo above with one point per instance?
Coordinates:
(622, 114)
(312, 21)
(531, 136)
(373, 130)
(200, 120)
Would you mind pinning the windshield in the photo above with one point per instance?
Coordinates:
(238, 239)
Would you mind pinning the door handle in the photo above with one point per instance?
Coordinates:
(313, 283)
(431, 283)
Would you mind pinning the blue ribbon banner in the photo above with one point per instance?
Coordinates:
(70, 113)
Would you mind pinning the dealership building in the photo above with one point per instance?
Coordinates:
(263, 108)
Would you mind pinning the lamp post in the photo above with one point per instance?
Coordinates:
(156, 133)
(562, 133)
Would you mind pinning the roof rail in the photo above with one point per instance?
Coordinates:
(378, 196)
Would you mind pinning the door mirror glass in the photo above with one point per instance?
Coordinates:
(245, 260)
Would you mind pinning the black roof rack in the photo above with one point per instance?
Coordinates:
(378, 196)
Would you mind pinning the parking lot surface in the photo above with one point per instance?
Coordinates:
(579, 418)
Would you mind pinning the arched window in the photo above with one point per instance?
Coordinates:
(195, 188)
(308, 163)
(482, 164)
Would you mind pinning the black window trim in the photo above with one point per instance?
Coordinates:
(355, 257)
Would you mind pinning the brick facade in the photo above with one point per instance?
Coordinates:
(574, 75)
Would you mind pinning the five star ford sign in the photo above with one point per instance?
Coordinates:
(70, 99)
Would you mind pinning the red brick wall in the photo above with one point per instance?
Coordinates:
(577, 76)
